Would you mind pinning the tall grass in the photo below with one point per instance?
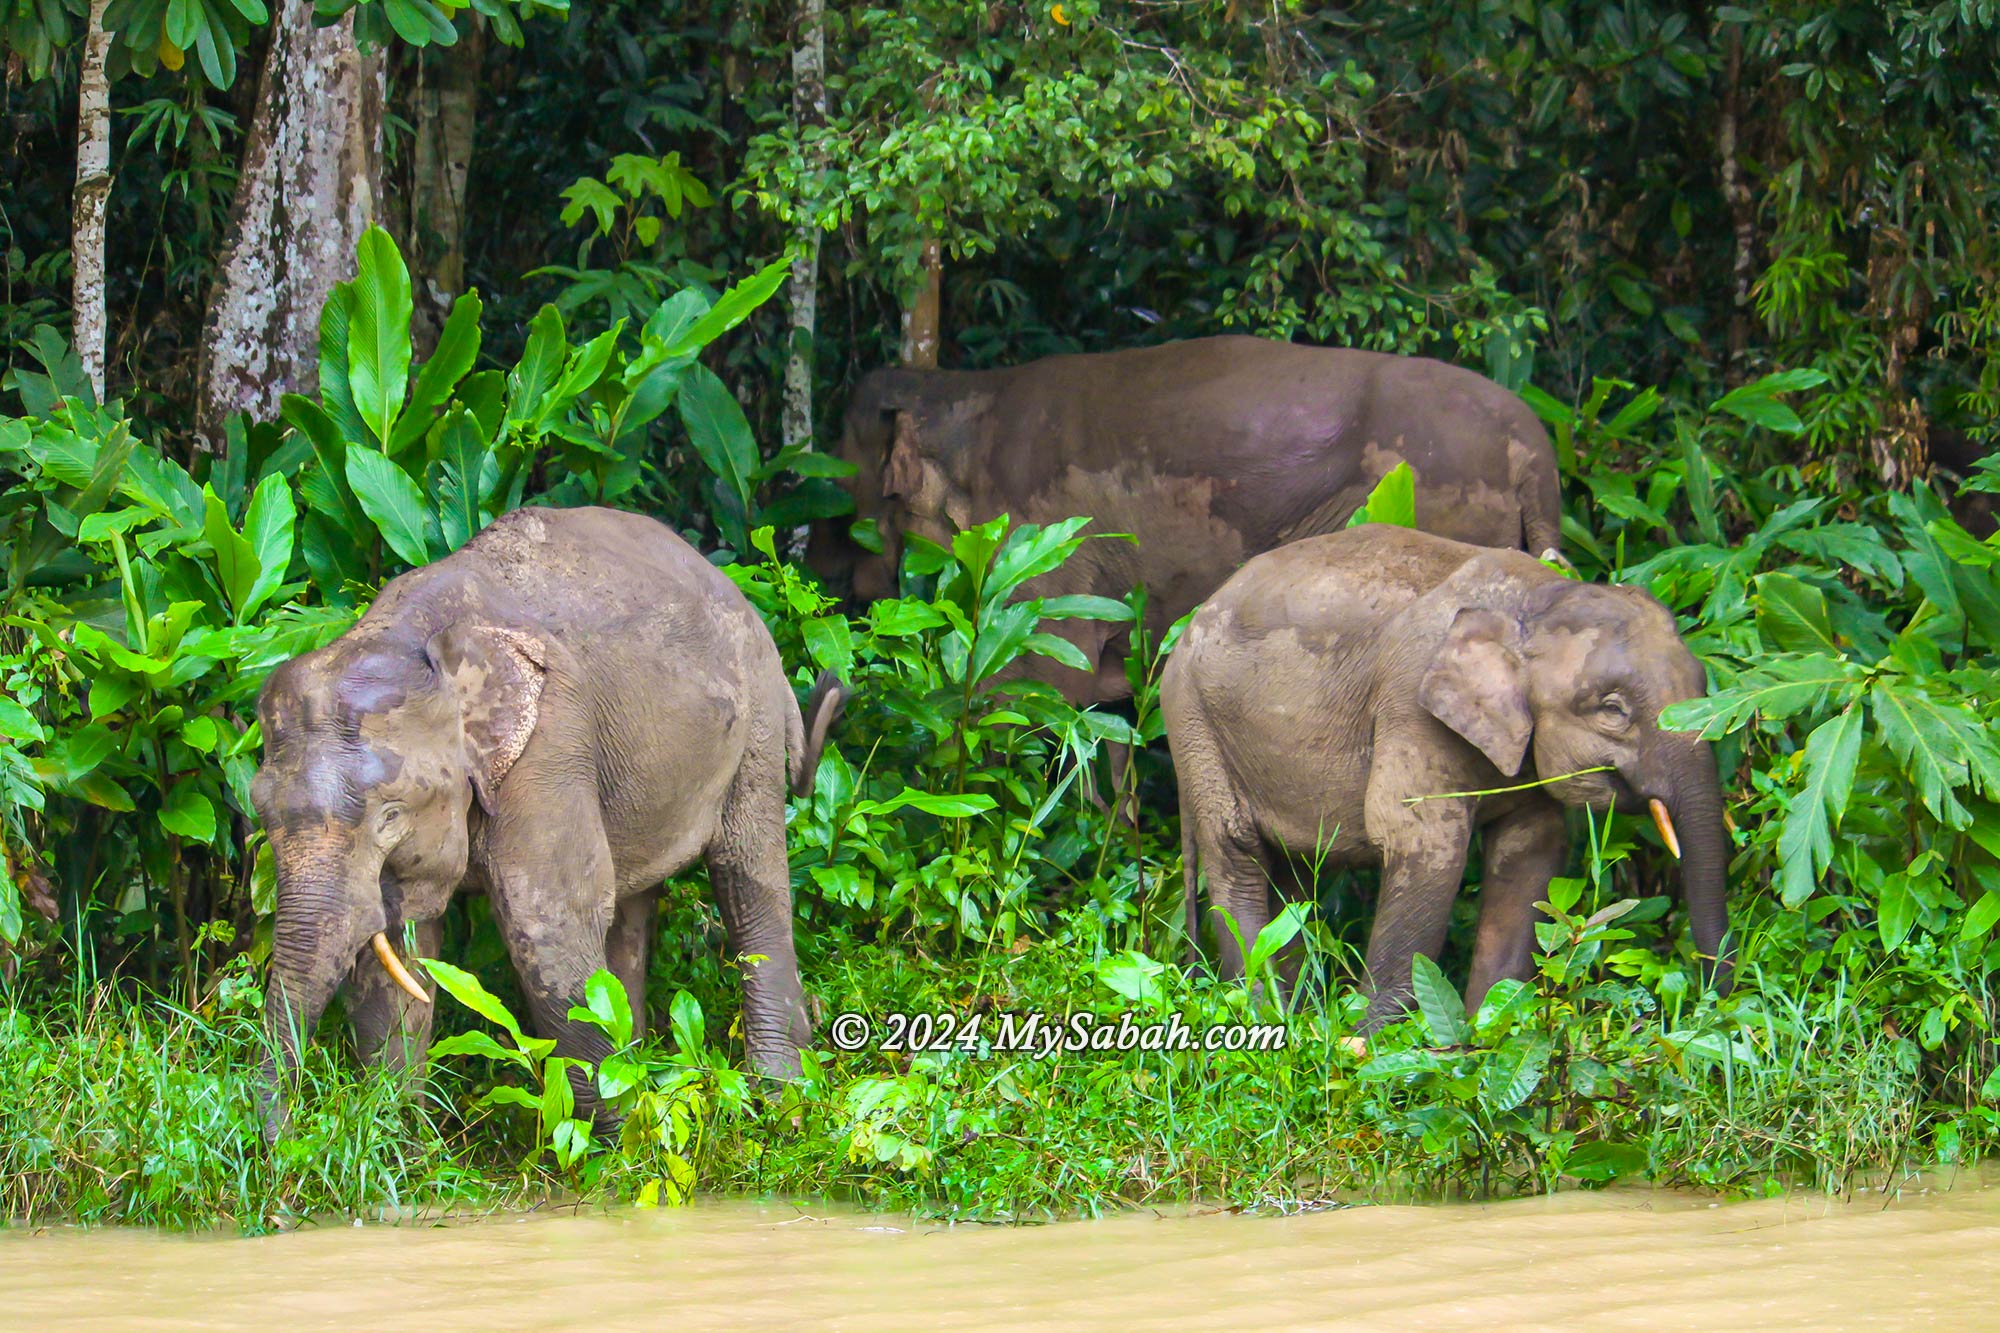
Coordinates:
(128, 1108)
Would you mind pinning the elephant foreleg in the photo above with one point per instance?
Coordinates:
(1525, 849)
(549, 872)
(1423, 850)
(390, 1028)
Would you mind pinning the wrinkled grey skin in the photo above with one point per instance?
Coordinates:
(1208, 451)
(1333, 681)
(563, 712)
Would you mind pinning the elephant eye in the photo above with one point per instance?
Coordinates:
(1614, 707)
(389, 820)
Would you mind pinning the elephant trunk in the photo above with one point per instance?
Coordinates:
(1692, 798)
(319, 927)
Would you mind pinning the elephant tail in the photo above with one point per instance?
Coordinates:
(807, 729)
(1537, 489)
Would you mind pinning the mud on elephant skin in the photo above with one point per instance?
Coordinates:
(571, 707)
(1209, 452)
(1331, 700)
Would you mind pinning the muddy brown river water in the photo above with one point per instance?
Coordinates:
(1621, 1259)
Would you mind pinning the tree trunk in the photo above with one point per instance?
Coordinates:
(1736, 194)
(446, 107)
(93, 190)
(921, 316)
(808, 115)
(311, 183)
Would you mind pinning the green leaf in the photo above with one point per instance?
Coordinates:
(1792, 615)
(1051, 646)
(719, 430)
(477, 1043)
(731, 308)
(336, 394)
(1393, 501)
(830, 643)
(1757, 401)
(1981, 917)
(465, 988)
(1896, 911)
(235, 559)
(268, 529)
(605, 996)
(1933, 741)
(950, 807)
(17, 723)
(1514, 1071)
(1805, 846)
(593, 196)
(391, 500)
(325, 486)
(378, 348)
(1444, 1012)
(457, 349)
(467, 466)
(188, 813)
(541, 361)
(1085, 607)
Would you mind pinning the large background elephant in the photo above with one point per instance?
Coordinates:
(1208, 451)
(569, 708)
(1330, 698)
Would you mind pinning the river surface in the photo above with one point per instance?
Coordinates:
(1619, 1259)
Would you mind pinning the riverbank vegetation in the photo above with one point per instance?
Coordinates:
(1778, 425)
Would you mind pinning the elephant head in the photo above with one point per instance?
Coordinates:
(1578, 674)
(374, 753)
(900, 437)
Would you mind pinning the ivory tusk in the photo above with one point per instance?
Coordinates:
(1665, 822)
(397, 972)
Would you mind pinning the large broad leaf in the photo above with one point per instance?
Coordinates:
(719, 430)
(336, 394)
(268, 528)
(731, 309)
(457, 348)
(469, 471)
(1392, 502)
(235, 560)
(1805, 846)
(465, 988)
(188, 813)
(328, 496)
(391, 500)
(950, 807)
(1757, 402)
(378, 346)
(541, 361)
(1792, 615)
(1514, 1071)
(605, 997)
(1444, 1012)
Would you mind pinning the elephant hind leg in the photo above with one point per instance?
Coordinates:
(628, 950)
(752, 878)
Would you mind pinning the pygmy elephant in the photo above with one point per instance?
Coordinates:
(1342, 701)
(1208, 452)
(564, 711)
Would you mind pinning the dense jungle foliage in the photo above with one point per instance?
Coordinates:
(1741, 258)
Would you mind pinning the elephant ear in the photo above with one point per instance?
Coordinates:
(1477, 687)
(914, 476)
(497, 675)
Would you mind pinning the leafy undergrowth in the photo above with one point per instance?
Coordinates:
(138, 1111)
